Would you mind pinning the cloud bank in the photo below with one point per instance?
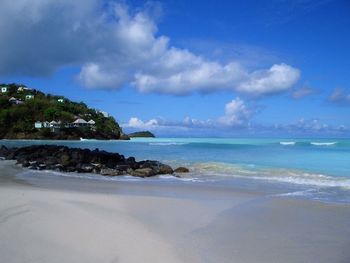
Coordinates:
(237, 115)
(116, 47)
(203, 128)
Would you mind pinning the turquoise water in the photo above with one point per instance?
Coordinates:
(316, 167)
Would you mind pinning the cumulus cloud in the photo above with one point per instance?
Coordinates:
(303, 92)
(115, 47)
(135, 122)
(237, 115)
(340, 96)
(194, 127)
(276, 79)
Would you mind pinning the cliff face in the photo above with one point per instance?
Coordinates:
(30, 114)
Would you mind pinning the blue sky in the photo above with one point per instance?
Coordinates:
(189, 68)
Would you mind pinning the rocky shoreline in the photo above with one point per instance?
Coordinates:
(65, 159)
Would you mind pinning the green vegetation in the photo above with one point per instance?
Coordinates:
(141, 134)
(17, 117)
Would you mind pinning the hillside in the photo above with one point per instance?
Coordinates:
(31, 114)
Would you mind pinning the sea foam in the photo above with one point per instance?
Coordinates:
(282, 175)
(288, 143)
(323, 143)
(167, 143)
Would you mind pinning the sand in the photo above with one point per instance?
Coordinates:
(63, 219)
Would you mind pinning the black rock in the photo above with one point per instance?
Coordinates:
(62, 158)
(181, 170)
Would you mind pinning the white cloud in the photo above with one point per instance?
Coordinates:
(237, 114)
(237, 120)
(303, 92)
(115, 47)
(139, 124)
(340, 96)
(276, 79)
(308, 127)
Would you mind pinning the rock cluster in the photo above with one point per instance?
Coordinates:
(62, 158)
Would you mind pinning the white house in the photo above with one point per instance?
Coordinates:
(29, 97)
(38, 125)
(55, 124)
(21, 89)
(80, 123)
(46, 124)
(13, 100)
(60, 100)
(91, 123)
(4, 89)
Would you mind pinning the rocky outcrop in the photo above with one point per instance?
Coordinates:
(62, 158)
(181, 170)
(124, 136)
(142, 134)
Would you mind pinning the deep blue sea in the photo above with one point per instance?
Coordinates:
(313, 168)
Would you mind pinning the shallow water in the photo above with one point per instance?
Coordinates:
(312, 168)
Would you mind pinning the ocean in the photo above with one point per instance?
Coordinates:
(304, 168)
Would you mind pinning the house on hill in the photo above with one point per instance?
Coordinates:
(55, 126)
(21, 89)
(38, 125)
(80, 123)
(15, 101)
(91, 123)
(4, 89)
(29, 97)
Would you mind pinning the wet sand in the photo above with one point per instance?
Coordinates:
(62, 219)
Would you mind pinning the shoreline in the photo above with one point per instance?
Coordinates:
(79, 220)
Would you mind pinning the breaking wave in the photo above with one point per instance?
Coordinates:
(323, 143)
(167, 143)
(291, 176)
(287, 143)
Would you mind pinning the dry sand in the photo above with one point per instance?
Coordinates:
(70, 220)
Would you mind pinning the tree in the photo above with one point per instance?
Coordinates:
(50, 113)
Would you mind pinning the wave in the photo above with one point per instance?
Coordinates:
(167, 143)
(288, 143)
(42, 174)
(309, 180)
(280, 175)
(323, 143)
(308, 192)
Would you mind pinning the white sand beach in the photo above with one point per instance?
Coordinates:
(75, 220)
